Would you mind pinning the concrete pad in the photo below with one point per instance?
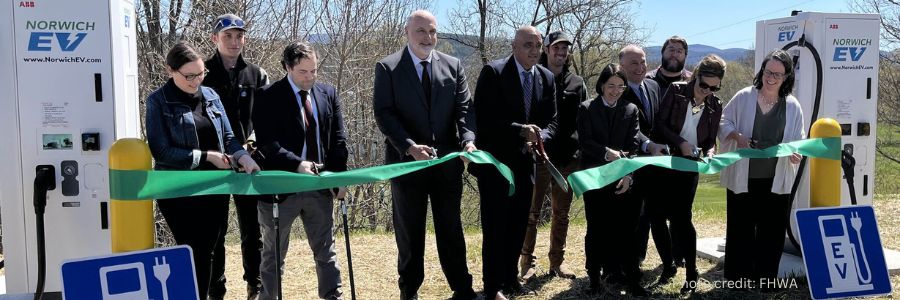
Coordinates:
(709, 248)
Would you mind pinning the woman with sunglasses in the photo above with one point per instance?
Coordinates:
(687, 121)
(608, 130)
(187, 129)
(758, 195)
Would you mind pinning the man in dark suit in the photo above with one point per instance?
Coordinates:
(300, 128)
(644, 93)
(422, 104)
(515, 102)
(563, 152)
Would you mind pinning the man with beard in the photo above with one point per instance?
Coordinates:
(671, 68)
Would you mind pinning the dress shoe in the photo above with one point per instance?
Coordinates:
(408, 296)
(252, 292)
(690, 282)
(526, 267)
(497, 296)
(335, 294)
(562, 271)
(517, 289)
(636, 290)
(464, 295)
(668, 273)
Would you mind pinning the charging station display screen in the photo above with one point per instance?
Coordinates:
(57, 141)
(124, 281)
(833, 228)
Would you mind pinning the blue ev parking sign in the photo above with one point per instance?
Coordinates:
(842, 252)
(158, 274)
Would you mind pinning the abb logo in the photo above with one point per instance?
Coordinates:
(833, 26)
(26, 3)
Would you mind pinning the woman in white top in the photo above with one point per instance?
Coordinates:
(760, 116)
(687, 121)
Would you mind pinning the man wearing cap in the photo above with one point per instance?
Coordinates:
(422, 105)
(236, 81)
(562, 150)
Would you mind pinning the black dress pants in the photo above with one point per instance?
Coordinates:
(442, 184)
(755, 231)
(672, 201)
(251, 246)
(503, 221)
(611, 238)
(197, 222)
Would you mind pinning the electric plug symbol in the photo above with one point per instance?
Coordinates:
(162, 272)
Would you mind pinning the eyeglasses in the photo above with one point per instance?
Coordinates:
(705, 86)
(191, 77)
(613, 86)
(225, 22)
(777, 76)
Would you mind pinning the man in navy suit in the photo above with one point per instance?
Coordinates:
(300, 128)
(515, 102)
(644, 93)
(422, 104)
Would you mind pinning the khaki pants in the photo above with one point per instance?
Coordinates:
(560, 203)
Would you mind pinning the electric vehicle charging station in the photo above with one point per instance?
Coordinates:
(69, 90)
(836, 76)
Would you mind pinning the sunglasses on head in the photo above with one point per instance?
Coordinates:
(705, 86)
(229, 22)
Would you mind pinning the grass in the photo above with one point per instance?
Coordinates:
(375, 253)
(374, 256)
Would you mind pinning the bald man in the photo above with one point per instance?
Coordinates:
(514, 104)
(422, 105)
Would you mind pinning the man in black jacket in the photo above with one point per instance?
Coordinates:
(562, 150)
(236, 81)
(515, 102)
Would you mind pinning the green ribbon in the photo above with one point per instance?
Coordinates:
(150, 184)
(598, 177)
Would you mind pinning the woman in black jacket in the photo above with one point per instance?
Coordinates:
(608, 130)
(687, 121)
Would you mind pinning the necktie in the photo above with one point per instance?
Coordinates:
(312, 147)
(527, 90)
(647, 109)
(426, 83)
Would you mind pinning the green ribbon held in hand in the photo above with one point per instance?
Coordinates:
(148, 184)
(595, 178)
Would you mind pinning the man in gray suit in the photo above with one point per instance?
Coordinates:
(421, 105)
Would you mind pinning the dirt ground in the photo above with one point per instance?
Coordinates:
(375, 260)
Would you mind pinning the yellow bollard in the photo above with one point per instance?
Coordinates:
(824, 174)
(131, 222)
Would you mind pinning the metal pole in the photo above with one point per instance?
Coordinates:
(347, 243)
(277, 251)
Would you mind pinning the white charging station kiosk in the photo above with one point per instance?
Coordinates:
(836, 76)
(846, 74)
(68, 90)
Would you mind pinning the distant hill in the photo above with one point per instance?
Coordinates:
(698, 51)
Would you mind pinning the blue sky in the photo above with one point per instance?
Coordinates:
(721, 24)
